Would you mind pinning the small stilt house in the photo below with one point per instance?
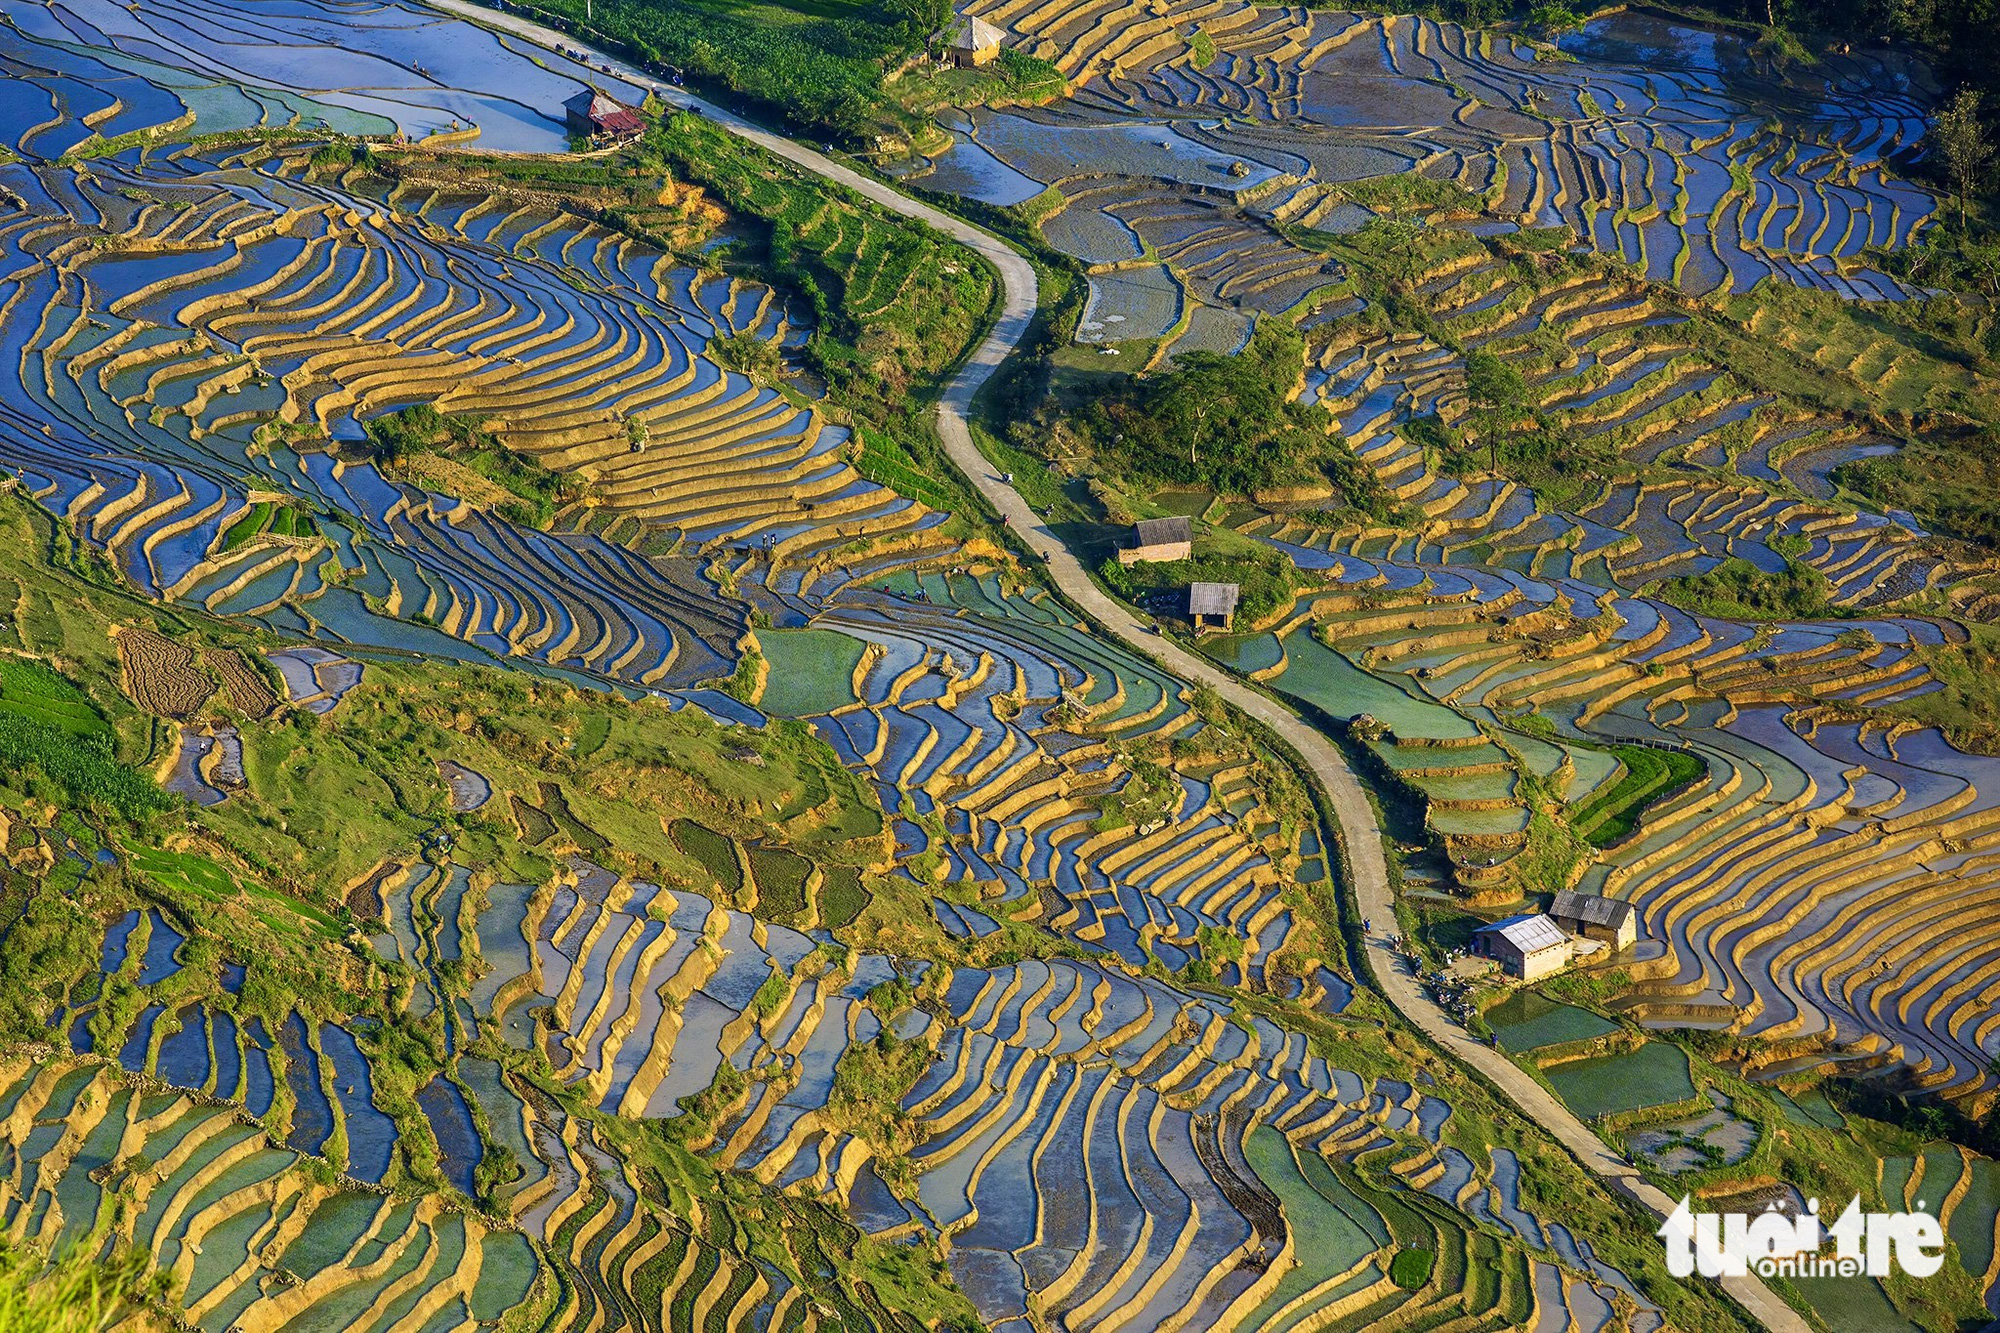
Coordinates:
(1212, 605)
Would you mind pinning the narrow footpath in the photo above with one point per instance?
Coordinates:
(1367, 870)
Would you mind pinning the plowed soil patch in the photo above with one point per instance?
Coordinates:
(241, 685)
(161, 676)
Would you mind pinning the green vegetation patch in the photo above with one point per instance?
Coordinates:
(1528, 1020)
(895, 303)
(1410, 1269)
(78, 769)
(1224, 423)
(32, 690)
(1809, 1108)
(267, 517)
(529, 492)
(811, 670)
(887, 463)
(1266, 579)
(194, 880)
(1738, 590)
(1650, 776)
(74, 1294)
(816, 64)
(781, 883)
(716, 853)
(1967, 709)
(1654, 1075)
(1326, 1237)
(842, 899)
(1951, 485)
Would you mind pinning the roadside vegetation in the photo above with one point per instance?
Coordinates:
(1683, 1105)
(818, 66)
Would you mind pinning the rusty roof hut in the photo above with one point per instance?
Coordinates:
(601, 119)
(1607, 920)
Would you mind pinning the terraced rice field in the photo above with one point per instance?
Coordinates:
(1211, 139)
(200, 337)
(993, 719)
(1224, 1139)
(1526, 1021)
(200, 334)
(1708, 467)
(1654, 1075)
(1779, 894)
(93, 75)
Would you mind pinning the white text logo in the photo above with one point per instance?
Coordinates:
(1775, 1245)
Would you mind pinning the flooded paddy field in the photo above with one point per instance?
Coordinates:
(1202, 136)
(200, 337)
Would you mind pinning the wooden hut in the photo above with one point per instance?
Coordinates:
(1212, 605)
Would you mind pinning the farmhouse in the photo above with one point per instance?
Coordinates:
(1159, 539)
(1595, 918)
(1528, 946)
(597, 117)
(1211, 605)
(972, 42)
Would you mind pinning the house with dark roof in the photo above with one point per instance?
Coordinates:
(599, 118)
(1211, 605)
(1159, 539)
(1608, 920)
(1529, 946)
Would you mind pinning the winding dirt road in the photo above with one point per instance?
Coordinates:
(1366, 869)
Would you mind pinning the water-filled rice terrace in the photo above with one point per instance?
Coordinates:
(1199, 149)
(1206, 1138)
(184, 349)
(1817, 882)
(1133, 977)
(1705, 464)
(200, 337)
(89, 74)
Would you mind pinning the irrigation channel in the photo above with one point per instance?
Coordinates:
(1362, 837)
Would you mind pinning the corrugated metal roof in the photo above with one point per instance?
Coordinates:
(1598, 911)
(1530, 932)
(1211, 599)
(1161, 531)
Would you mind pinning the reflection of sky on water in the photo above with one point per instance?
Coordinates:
(968, 169)
(1054, 152)
(1653, 43)
(1630, 143)
(419, 70)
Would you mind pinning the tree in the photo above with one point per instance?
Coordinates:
(921, 18)
(1961, 141)
(1499, 396)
